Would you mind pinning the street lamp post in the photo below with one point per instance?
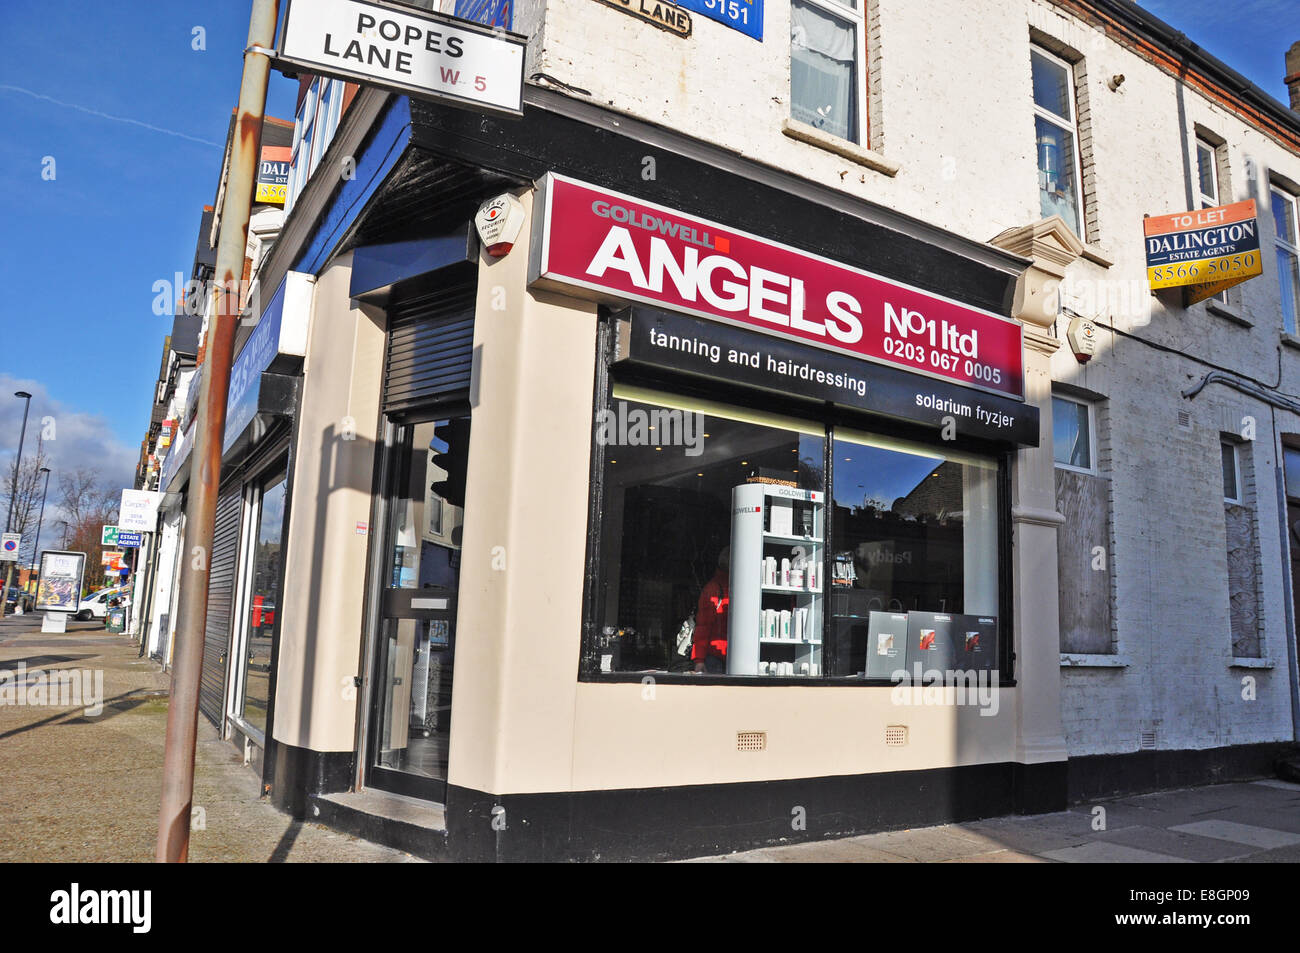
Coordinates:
(13, 496)
(36, 548)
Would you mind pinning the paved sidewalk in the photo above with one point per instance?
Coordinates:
(86, 788)
(1256, 821)
(81, 787)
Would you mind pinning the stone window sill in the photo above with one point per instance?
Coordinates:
(1077, 660)
(1228, 313)
(1093, 253)
(1290, 340)
(803, 132)
(1252, 663)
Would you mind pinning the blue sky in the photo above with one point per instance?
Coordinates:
(135, 119)
(80, 254)
(1251, 36)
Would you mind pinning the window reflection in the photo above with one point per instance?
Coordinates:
(672, 468)
(915, 531)
(262, 606)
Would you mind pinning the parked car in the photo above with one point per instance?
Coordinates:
(17, 599)
(96, 605)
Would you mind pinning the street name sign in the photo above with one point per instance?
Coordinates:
(411, 51)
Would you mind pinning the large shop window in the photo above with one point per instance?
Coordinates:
(715, 556)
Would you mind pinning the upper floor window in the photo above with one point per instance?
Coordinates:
(1207, 184)
(1288, 256)
(1056, 136)
(827, 66)
(1207, 173)
(313, 129)
(1231, 472)
(1072, 430)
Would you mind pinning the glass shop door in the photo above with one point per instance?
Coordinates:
(411, 724)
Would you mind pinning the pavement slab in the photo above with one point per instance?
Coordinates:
(1265, 838)
(1102, 852)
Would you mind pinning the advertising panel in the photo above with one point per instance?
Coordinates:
(59, 588)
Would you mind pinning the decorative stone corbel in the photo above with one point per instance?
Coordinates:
(1051, 247)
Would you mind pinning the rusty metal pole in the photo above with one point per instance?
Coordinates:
(209, 429)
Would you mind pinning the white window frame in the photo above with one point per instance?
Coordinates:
(313, 131)
(1289, 243)
(857, 16)
(1092, 435)
(1208, 201)
(1072, 129)
(1236, 471)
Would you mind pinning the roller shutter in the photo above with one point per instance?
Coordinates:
(221, 594)
(430, 345)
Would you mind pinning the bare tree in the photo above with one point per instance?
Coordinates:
(27, 501)
(87, 503)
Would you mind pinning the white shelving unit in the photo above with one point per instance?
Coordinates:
(778, 544)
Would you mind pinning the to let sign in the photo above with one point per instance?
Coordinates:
(1210, 249)
(408, 50)
(621, 249)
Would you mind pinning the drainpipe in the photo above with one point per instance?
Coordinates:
(209, 429)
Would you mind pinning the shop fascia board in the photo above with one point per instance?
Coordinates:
(835, 200)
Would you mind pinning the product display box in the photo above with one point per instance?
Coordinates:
(930, 641)
(886, 644)
(976, 639)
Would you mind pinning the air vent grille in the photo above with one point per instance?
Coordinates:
(895, 736)
(1147, 740)
(751, 740)
(1185, 419)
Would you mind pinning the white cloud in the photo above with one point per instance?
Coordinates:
(80, 439)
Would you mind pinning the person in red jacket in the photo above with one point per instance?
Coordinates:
(709, 645)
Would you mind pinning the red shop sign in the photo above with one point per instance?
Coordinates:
(624, 249)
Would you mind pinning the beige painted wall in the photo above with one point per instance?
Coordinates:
(521, 720)
(325, 561)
